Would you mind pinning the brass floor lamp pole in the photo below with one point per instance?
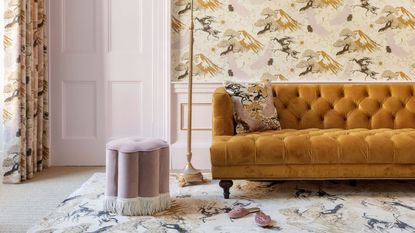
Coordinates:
(190, 174)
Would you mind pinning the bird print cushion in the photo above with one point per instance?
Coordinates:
(254, 108)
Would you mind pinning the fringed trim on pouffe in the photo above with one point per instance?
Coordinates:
(110, 204)
(138, 205)
(165, 201)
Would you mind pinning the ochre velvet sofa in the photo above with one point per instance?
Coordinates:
(329, 131)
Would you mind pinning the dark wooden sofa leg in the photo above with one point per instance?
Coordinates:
(226, 185)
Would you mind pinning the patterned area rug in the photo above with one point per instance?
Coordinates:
(295, 206)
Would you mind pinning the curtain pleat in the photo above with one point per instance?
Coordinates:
(25, 114)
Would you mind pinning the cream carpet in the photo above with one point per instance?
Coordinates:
(22, 205)
(295, 206)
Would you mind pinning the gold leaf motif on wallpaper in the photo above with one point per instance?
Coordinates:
(396, 18)
(319, 4)
(249, 42)
(276, 20)
(364, 42)
(205, 66)
(271, 77)
(332, 3)
(239, 41)
(406, 18)
(355, 41)
(318, 62)
(327, 63)
(7, 41)
(202, 4)
(7, 116)
(209, 4)
(390, 75)
(176, 24)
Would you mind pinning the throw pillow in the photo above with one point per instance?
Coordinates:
(254, 108)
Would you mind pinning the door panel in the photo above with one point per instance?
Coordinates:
(126, 108)
(129, 67)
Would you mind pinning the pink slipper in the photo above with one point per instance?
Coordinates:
(239, 212)
(262, 219)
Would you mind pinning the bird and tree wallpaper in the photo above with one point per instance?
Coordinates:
(295, 40)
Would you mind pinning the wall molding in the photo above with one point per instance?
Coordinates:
(201, 136)
(203, 87)
(183, 114)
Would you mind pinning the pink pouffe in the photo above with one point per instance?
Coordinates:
(137, 171)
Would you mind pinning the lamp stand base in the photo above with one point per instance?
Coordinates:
(190, 175)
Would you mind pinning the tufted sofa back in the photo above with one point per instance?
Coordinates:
(348, 106)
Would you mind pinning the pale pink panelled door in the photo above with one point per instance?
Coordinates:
(108, 76)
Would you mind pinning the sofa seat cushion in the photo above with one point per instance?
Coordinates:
(315, 146)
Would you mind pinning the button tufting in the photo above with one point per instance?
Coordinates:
(355, 105)
(389, 93)
(318, 94)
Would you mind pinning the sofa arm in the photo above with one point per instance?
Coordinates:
(222, 113)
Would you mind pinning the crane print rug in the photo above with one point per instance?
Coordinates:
(294, 206)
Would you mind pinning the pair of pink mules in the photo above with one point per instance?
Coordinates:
(261, 219)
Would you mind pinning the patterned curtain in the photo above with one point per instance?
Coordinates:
(25, 104)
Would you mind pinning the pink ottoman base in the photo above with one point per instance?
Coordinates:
(137, 173)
